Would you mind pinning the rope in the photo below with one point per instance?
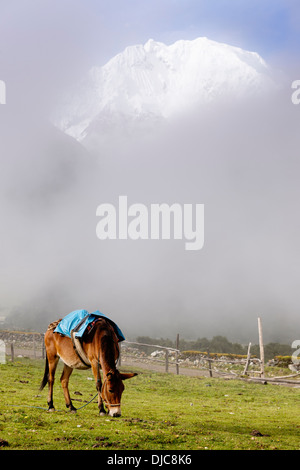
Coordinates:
(87, 402)
(31, 406)
(60, 411)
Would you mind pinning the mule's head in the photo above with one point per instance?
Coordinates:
(112, 390)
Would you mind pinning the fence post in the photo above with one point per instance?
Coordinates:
(120, 360)
(167, 360)
(12, 352)
(248, 360)
(209, 363)
(261, 349)
(177, 347)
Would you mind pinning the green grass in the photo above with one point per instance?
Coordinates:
(159, 411)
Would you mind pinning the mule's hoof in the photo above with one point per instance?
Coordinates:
(102, 413)
(50, 410)
(71, 408)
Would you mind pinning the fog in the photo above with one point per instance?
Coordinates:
(241, 161)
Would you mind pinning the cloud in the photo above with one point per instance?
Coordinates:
(240, 162)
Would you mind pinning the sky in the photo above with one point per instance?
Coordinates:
(50, 258)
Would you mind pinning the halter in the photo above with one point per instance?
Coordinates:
(102, 385)
(102, 390)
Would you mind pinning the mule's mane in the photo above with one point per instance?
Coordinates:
(109, 345)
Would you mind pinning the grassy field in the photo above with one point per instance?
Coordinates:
(159, 411)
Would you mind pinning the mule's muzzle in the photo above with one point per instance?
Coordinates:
(115, 412)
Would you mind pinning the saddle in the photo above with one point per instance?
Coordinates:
(77, 341)
(77, 325)
(54, 324)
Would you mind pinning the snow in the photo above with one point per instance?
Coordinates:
(159, 81)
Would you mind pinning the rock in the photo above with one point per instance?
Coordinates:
(157, 353)
(3, 443)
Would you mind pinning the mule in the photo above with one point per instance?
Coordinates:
(101, 348)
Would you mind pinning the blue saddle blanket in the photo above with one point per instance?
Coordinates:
(84, 318)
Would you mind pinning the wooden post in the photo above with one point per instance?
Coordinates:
(209, 364)
(177, 355)
(167, 360)
(120, 359)
(248, 360)
(12, 352)
(261, 349)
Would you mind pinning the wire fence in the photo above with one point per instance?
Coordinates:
(21, 344)
(17, 344)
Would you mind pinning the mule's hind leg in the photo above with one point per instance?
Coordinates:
(52, 368)
(67, 371)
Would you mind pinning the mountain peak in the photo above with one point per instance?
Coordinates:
(159, 80)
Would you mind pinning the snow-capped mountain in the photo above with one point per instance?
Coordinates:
(154, 81)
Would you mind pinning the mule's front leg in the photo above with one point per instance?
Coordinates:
(67, 371)
(97, 375)
(102, 411)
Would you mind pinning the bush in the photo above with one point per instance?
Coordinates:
(283, 361)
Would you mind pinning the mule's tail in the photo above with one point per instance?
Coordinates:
(46, 375)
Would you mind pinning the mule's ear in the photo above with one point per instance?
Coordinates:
(128, 375)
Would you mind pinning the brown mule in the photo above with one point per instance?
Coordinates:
(101, 349)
